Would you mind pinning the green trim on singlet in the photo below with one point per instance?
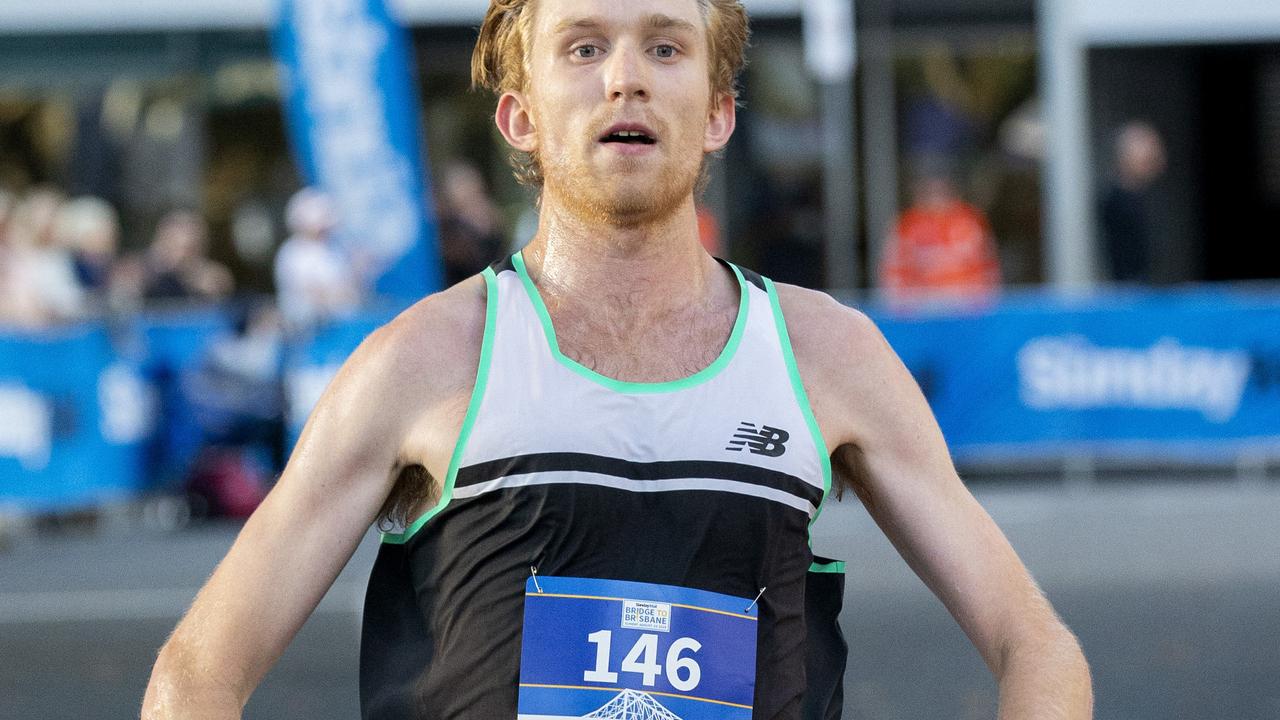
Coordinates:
(469, 420)
(824, 458)
(622, 386)
(836, 566)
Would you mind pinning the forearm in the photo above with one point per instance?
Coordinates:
(1046, 680)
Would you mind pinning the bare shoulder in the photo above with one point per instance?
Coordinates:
(426, 356)
(850, 372)
(820, 326)
(434, 340)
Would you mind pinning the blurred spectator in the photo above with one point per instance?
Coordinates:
(250, 357)
(314, 281)
(40, 281)
(942, 120)
(253, 236)
(236, 387)
(178, 267)
(941, 247)
(470, 229)
(238, 400)
(935, 125)
(90, 229)
(1126, 212)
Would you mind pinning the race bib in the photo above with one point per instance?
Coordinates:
(615, 649)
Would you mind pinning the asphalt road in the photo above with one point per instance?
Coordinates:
(1173, 589)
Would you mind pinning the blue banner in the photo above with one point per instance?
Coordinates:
(1191, 374)
(76, 420)
(352, 108)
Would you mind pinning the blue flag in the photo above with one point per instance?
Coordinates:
(352, 110)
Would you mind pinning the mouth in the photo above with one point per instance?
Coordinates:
(627, 134)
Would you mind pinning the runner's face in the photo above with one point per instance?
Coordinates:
(619, 104)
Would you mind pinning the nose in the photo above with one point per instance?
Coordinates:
(626, 74)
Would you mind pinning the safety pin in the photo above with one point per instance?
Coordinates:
(534, 570)
(753, 602)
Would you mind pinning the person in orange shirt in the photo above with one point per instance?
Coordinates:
(941, 248)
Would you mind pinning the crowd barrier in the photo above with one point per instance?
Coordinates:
(94, 413)
(1187, 374)
(75, 416)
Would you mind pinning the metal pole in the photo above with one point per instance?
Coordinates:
(1068, 188)
(879, 133)
(839, 186)
(830, 56)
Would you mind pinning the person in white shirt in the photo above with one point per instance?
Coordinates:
(315, 282)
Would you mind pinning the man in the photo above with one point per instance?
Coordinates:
(941, 249)
(316, 282)
(603, 448)
(1126, 216)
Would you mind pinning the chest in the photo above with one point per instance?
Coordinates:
(640, 348)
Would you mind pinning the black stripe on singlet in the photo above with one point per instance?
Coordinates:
(627, 469)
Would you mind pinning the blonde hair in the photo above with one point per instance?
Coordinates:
(87, 223)
(498, 62)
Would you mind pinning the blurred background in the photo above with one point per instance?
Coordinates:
(1058, 213)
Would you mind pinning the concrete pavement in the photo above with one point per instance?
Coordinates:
(1174, 590)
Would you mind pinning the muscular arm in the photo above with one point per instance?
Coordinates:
(889, 448)
(361, 433)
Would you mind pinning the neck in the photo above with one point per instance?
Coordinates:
(653, 266)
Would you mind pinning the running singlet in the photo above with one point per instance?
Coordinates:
(614, 549)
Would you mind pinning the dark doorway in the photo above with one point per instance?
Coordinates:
(1240, 157)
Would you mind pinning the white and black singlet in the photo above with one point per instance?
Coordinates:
(663, 508)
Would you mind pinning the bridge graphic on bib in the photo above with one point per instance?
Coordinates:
(633, 705)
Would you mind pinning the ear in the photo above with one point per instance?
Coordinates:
(721, 120)
(515, 122)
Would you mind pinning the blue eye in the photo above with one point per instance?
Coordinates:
(665, 51)
(586, 51)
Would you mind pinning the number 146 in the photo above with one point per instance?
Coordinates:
(683, 673)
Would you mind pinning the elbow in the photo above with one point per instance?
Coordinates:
(179, 688)
(1038, 664)
(168, 690)
(1053, 646)
(1072, 664)
(159, 701)
(1051, 664)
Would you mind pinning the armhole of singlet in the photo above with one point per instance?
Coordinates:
(802, 398)
(469, 420)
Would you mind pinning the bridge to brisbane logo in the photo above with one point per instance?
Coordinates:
(633, 705)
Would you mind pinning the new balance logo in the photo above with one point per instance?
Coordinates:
(764, 440)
